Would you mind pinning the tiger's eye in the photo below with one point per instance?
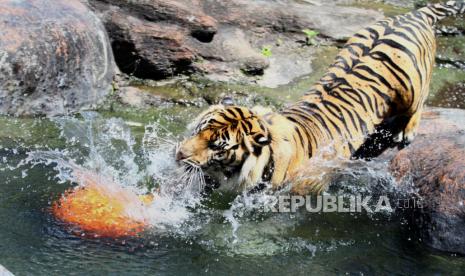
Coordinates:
(213, 146)
(235, 147)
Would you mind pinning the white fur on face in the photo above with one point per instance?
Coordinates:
(252, 169)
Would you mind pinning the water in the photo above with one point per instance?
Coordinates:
(222, 234)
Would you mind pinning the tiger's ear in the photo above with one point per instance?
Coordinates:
(260, 134)
(254, 142)
(227, 101)
(262, 139)
(258, 137)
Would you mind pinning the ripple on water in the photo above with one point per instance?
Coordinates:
(189, 234)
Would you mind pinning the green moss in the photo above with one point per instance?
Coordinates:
(247, 94)
(387, 9)
(451, 47)
(458, 22)
(174, 91)
(29, 132)
(172, 118)
(447, 88)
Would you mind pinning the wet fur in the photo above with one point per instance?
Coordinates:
(370, 98)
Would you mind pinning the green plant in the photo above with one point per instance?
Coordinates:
(266, 51)
(420, 3)
(311, 35)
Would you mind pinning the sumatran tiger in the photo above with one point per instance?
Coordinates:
(374, 91)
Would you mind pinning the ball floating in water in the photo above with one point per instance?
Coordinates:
(102, 212)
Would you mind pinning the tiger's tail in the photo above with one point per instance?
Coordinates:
(436, 12)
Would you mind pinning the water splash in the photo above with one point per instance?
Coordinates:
(110, 149)
(106, 151)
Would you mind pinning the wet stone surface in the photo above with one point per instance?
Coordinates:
(55, 58)
(225, 40)
(434, 164)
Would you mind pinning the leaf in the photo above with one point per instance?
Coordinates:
(266, 51)
(310, 33)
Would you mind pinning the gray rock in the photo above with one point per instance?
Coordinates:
(337, 22)
(146, 49)
(223, 39)
(135, 97)
(435, 165)
(150, 38)
(55, 57)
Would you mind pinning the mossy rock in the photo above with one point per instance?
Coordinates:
(447, 88)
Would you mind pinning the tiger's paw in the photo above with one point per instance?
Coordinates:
(403, 139)
(309, 185)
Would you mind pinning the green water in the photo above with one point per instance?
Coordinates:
(32, 242)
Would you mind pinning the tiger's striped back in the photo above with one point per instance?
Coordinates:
(374, 92)
(382, 73)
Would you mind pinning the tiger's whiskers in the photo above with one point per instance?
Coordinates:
(193, 176)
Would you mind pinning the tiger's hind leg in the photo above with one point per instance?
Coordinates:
(405, 137)
(413, 117)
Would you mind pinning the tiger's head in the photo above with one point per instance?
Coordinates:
(227, 142)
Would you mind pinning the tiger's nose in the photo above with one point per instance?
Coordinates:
(180, 155)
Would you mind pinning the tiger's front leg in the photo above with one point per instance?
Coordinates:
(310, 184)
(315, 175)
(253, 168)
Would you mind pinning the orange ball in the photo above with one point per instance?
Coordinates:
(101, 211)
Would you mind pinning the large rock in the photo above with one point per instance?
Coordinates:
(337, 22)
(187, 13)
(55, 57)
(223, 39)
(148, 50)
(435, 165)
(150, 38)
